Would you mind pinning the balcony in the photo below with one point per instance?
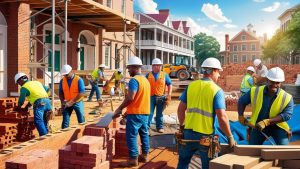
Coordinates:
(164, 45)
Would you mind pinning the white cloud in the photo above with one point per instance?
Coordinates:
(196, 28)
(229, 26)
(259, 1)
(272, 8)
(147, 6)
(214, 12)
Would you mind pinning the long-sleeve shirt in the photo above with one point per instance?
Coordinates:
(286, 114)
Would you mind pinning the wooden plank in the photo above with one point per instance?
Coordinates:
(263, 165)
(160, 161)
(219, 162)
(255, 150)
(246, 163)
(232, 161)
(291, 163)
(281, 154)
(106, 120)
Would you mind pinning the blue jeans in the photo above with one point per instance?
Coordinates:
(137, 124)
(158, 102)
(96, 89)
(40, 108)
(279, 135)
(187, 151)
(79, 109)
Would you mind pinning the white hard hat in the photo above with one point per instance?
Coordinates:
(276, 74)
(102, 65)
(134, 61)
(156, 61)
(256, 62)
(18, 76)
(212, 63)
(65, 69)
(120, 70)
(251, 68)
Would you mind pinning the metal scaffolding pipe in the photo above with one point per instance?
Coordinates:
(53, 54)
(66, 32)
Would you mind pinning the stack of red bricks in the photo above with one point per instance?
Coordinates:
(37, 158)
(16, 125)
(87, 152)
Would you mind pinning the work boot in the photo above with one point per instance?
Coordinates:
(89, 100)
(131, 162)
(160, 130)
(143, 158)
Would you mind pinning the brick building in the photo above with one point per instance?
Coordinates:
(160, 37)
(243, 47)
(26, 31)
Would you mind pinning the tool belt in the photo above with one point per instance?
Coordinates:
(212, 142)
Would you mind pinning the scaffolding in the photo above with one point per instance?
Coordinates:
(96, 13)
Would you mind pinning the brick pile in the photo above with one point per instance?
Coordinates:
(232, 75)
(46, 159)
(15, 125)
(87, 152)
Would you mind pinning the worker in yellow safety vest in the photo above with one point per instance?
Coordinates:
(97, 77)
(71, 92)
(271, 107)
(201, 101)
(137, 102)
(37, 96)
(118, 76)
(247, 81)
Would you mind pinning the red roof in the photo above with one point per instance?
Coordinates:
(161, 18)
(176, 24)
(186, 30)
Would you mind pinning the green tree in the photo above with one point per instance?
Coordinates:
(293, 30)
(205, 47)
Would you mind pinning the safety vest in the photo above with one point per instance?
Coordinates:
(36, 90)
(95, 74)
(141, 101)
(245, 83)
(72, 91)
(281, 101)
(200, 102)
(118, 76)
(158, 86)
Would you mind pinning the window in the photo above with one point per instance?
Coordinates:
(235, 58)
(253, 57)
(297, 60)
(253, 47)
(107, 55)
(235, 48)
(123, 6)
(56, 60)
(243, 37)
(48, 38)
(244, 58)
(244, 47)
(109, 3)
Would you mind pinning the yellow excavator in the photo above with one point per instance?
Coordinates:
(182, 68)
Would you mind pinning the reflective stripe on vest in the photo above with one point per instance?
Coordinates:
(36, 89)
(200, 98)
(95, 74)
(280, 102)
(157, 86)
(245, 83)
(72, 91)
(118, 76)
(141, 101)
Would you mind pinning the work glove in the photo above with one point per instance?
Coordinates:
(117, 113)
(262, 124)
(243, 120)
(231, 141)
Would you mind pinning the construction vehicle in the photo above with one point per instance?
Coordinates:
(181, 69)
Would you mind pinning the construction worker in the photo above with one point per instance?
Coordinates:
(271, 108)
(247, 81)
(261, 72)
(71, 91)
(158, 82)
(203, 100)
(97, 76)
(137, 102)
(37, 96)
(118, 76)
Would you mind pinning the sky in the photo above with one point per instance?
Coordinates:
(219, 17)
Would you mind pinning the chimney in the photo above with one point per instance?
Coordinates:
(164, 11)
(226, 42)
